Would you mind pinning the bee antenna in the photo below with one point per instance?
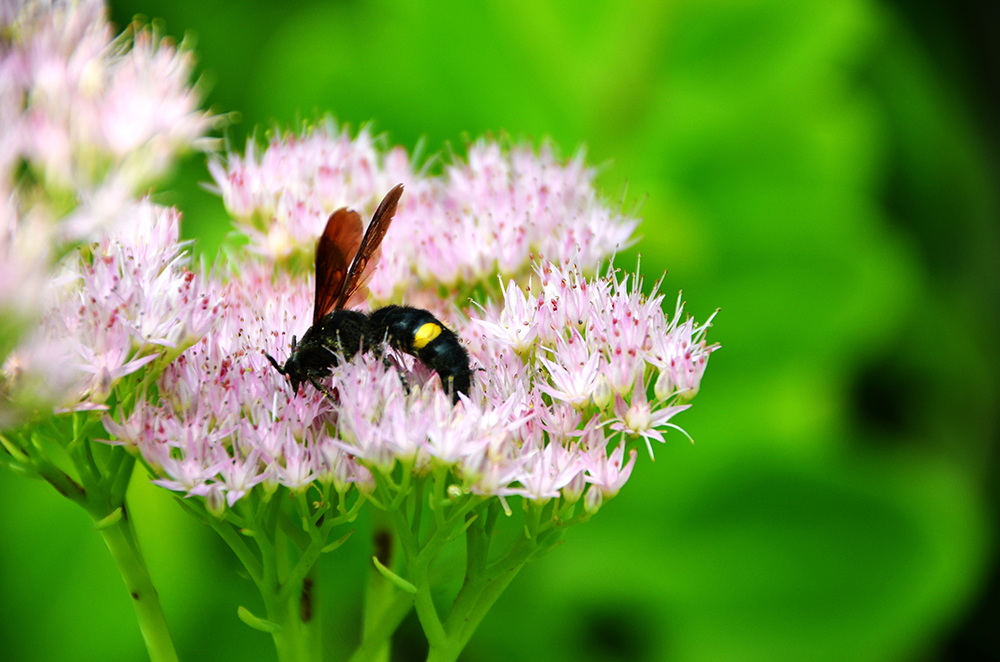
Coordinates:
(293, 343)
(274, 363)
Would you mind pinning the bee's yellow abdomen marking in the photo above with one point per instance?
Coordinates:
(425, 334)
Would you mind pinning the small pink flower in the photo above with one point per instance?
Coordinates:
(606, 472)
(681, 354)
(239, 475)
(549, 470)
(638, 418)
(515, 324)
(574, 371)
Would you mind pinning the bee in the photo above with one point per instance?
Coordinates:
(346, 257)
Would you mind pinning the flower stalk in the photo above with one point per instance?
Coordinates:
(97, 482)
(124, 547)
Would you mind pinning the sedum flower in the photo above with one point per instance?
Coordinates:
(489, 214)
(542, 357)
(605, 471)
(574, 374)
(94, 110)
(597, 339)
(681, 355)
(123, 303)
(87, 120)
(638, 418)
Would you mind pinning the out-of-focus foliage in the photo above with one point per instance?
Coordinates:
(807, 171)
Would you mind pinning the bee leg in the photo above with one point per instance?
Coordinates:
(322, 389)
(389, 365)
(402, 380)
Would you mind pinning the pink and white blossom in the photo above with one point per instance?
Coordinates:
(127, 302)
(546, 359)
(94, 119)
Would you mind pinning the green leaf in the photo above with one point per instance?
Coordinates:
(393, 577)
(110, 520)
(337, 543)
(256, 622)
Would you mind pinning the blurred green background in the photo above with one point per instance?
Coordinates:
(825, 172)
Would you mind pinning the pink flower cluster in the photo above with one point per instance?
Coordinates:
(489, 215)
(554, 369)
(534, 424)
(87, 110)
(94, 119)
(123, 302)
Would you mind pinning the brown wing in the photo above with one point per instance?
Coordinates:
(337, 246)
(367, 256)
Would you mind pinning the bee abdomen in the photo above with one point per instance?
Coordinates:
(417, 332)
(447, 356)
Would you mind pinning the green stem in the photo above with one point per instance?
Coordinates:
(124, 549)
(385, 604)
(375, 647)
(310, 616)
(290, 593)
(300, 636)
(101, 494)
(419, 499)
(483, 587)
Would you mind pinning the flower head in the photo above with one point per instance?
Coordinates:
(542, 357)
(93, 119)
(126, 302)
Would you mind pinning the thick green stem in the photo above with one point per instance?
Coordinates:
(290, 593)
(103, 493)
(120, 540)
(299, 638)
(310, 616)
(379, 591)
(379, 628)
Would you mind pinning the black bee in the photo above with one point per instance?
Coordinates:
(346, 258)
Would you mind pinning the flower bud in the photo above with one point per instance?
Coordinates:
(664, 386)
(364, 480)
(574, 489)
(593, 500)
(215, 500)
(602, 393)
(688, 394)
(638, 417)
(269, 484)
(102, 386)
